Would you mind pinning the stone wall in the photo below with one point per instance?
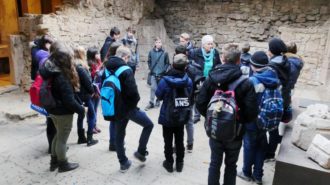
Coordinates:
(239, 20)
(85, 22)
(256, 21)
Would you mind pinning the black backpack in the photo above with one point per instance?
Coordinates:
(47, 100)
(222, 113)
(177, 111)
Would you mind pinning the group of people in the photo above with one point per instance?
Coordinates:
(183, 88)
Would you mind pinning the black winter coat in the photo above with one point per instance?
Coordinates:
(86, 85)
(282, 67)
(197, 55)
(62, 91)
(129, 90)
(220, 78)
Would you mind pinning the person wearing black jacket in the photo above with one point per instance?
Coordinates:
(85, 94)
(114, 36)
(130, 97)
(59, 68)
(219, 78)
(203, 60)
(280, 63)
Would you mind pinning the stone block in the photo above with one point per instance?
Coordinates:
(315, 120)
(319, 150)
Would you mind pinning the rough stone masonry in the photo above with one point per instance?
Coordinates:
(88, 22)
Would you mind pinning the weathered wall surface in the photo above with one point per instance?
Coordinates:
(88, 22)
(85, 23)
(256, 21)
(239, 20)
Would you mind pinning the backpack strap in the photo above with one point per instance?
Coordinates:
(121, 69)
(232, 86)
(117, 73)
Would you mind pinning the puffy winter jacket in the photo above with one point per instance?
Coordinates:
(129, 90)
(282, 67)
(86, 86)
(173, 78)
(296, 65)
(62, 91)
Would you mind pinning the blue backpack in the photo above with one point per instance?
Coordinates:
(270, 108)
(111, 101)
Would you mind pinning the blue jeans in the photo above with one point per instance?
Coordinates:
(140, 118)
(231, 151)
(255, 144)
(91, 117)
(274, 140)
(197, 115)
(190, 129)
(96, 102)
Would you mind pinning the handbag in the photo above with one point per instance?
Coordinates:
(153, 67)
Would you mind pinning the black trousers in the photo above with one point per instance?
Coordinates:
(178, 133)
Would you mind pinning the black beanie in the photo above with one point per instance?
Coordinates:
(259, 59)
(277, 46)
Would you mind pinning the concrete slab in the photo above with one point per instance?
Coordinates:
(292, 162)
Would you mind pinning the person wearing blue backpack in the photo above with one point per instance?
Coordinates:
(223, 78)
(125, 108)
(175, 90)
(270, 103)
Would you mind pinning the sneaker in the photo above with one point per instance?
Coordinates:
(149, 106)
(140, 156)
(157, 104)
(259, 182)
(168, 166)
(196, 120)
(190, 148)
(124, 168)
(179, 166)
(243, 176)
(269, 160)
(112, 148)
(97, 129)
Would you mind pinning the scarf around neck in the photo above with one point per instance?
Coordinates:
(208, 61)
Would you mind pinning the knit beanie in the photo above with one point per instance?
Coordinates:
(259, 59)
(277, 46)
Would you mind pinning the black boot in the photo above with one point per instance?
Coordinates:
(81, 136)
(179, 166)
(90, 140)
(51, 131)
(168, 166)
(53, 163)
(64, 166)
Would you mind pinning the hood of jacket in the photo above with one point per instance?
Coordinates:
(278, 60)
(190, 46)
(114, 63)
(268, 78)
(176, 78)
(225, 74)
(245, 57)
(49, 69)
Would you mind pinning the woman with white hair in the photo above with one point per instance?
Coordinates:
(205, 58)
